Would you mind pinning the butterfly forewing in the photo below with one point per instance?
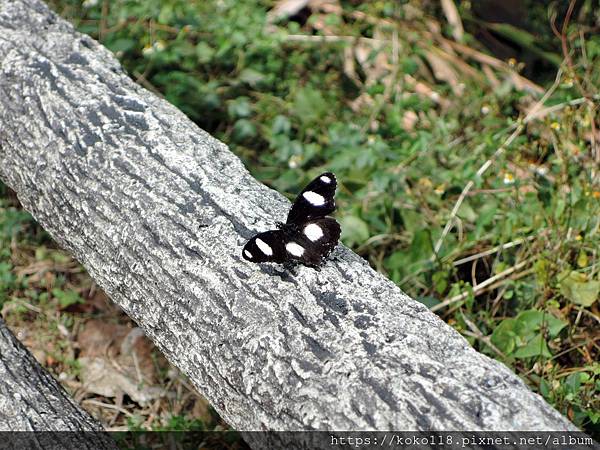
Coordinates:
(266, 247)
(307, 237)
(315, 200)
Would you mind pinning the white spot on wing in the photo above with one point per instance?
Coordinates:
(313, 232)
(314, 198)
(264, 247)
(294, 249)
(248, 254)
(325, 179)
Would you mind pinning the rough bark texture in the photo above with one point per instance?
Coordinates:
(31, 400)
(157, 211)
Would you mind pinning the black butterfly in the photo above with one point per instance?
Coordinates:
(307, 237)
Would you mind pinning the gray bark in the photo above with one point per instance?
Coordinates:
(157, 211)
(31, 400)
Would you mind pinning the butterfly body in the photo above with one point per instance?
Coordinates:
(308, 236)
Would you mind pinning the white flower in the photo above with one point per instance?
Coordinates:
(540, 170)
(158, 46)
(294, 161)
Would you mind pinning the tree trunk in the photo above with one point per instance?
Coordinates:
(31, 400)
(157, 211)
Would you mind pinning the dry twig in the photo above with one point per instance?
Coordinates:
(481, 287)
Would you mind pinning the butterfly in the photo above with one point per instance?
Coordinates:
(308, 236)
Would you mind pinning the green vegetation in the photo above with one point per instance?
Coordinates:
(471, 181)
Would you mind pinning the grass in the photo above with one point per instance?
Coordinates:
(471, 181)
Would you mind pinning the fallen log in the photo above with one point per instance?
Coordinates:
(157, 211)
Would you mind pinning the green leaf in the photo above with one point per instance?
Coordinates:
(582, 259)
(560, 208)
(66, 298)
(412, 220)
(409, 65)
(575, 287)
(420, 247)
(281, 125)
(397, 260)
(243, 130)
(573, 383)
(204, 52)
(239, 108)
(309, 105)
(467, 213)
(542, 269)
(504, 336)
(428, 301)
(545, 389)
(554, 325)
(535, 347)
(251, 77)
(522, 335)
(440, 281)
(41, 253)
(354, 230)
(486, 215)
(166, 14)
(532, 320)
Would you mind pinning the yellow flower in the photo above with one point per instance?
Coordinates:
(567, 82)
(555, 126)
(509, 178)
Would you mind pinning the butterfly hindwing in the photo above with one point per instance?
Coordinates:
(315, 200)
(307, 237)
(319, 237)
